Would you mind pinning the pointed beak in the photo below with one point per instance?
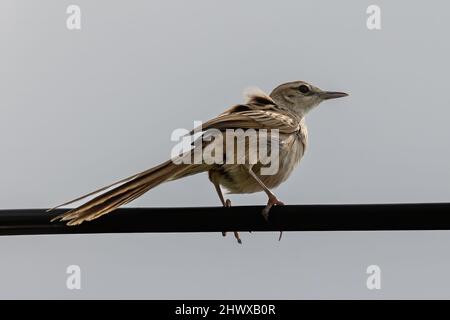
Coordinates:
(326, 95)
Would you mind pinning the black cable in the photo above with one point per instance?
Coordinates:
(426, 216)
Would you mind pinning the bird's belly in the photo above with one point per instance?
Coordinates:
(237, 179)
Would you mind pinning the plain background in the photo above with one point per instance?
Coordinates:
(81, 109)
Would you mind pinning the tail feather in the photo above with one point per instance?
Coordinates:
(77, 218)
(132, 188)
(140, 174)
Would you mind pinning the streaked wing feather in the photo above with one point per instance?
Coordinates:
(254, 119)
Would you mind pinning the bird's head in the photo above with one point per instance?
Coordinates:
(301, 97)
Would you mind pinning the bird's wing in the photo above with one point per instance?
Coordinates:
(259, 112)
(253, 117)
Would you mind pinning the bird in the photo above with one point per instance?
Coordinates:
(282, 111)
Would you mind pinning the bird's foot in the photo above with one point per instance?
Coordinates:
(273, 201)
(227, 204)
(236, 235)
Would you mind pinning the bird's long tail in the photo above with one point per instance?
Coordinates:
(130, 189)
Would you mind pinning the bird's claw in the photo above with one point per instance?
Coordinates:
(273, 201)
(236, 235)
(227, 204)
(265, 213)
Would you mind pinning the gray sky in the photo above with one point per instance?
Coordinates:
(81, 109)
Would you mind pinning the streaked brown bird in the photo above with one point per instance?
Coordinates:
(284, 110)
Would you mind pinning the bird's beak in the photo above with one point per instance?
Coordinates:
(332, 95)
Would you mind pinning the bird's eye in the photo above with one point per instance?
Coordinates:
(304, 88)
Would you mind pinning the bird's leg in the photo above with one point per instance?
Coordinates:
(227, 204)
(273, 200)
